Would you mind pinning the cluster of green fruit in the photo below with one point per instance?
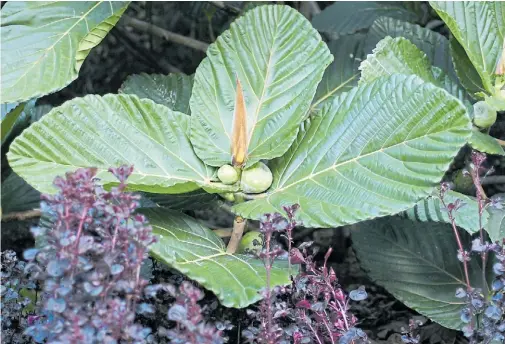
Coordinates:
(253, 180)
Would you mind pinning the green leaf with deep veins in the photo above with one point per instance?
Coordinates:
(279, 59)
(196, 251)
(399, 55)
(426, 271)
(173, 90)
(432, 209)
(479, 27)
(466, 217)
(108, 131)
(485, 143)
(45, 43)
(433, 44)
(373, 151)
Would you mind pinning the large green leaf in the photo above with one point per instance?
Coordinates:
(373, 151)
(479, 27)
(342, 74)
(432, 209)
(346, 17)
(173, 90)
(396, 55)
(279, 59)
(433, 44)
(108, 131)
(485, 143)
(18, 195)
(399, 55)
(201, 255)
(467, 217)
(45, 43)
(418, 264)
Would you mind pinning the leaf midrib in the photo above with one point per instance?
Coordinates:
(334, 166)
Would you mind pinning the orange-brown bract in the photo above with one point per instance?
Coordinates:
(239, 135)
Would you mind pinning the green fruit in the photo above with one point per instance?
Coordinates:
(484, 115)
(227, 174)
(463, 182)
(256, 179)
(251, 243)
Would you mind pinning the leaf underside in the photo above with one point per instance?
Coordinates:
(373, 151)
(201, 255)
(108, 131)
(279, 59)
(45, 43)
(417, 263)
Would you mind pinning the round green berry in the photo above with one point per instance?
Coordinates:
(227, 174)
(251, 243)
(256, 179)
(484, 115)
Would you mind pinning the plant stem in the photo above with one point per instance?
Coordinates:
(493, 180)
(21, 215)
(500, 142)
(168, 35)
(268, 268)
(460, 245)
(238, 230)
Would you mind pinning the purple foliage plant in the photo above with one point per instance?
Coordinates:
(484, 315)
(314, 309)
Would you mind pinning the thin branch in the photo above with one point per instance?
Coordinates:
(22, 215)
(236, 235)
(493, 180)
(500, 142)
(168, 35)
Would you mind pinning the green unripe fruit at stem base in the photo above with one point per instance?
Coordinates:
(252, 243)
(227, 174)
(256, 179)
(484, 115)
